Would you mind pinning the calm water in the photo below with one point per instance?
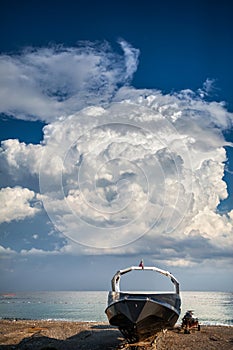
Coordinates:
(212, 308)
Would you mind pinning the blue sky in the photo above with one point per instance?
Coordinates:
(116, 142)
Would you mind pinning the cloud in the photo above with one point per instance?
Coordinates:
(208, 88)
(17, 204)
(20, 163)
(122, 171)
(146, 165)
(45, 83)
(6, 252)
(131, 58)
(37, 252)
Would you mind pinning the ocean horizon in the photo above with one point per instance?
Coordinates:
(211, 308)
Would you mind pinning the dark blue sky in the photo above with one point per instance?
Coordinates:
(182, 44)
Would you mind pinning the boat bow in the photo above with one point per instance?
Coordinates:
(139, 315)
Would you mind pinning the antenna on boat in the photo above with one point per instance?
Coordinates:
(141, 264)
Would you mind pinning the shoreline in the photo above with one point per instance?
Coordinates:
(71, 335)
(178, 324)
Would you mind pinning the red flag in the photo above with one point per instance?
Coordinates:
(141, 264)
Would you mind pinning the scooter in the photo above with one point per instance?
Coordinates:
(188, 322)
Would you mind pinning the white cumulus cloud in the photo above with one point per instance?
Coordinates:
(19, 160)
(116, 163)
(146, 164)
(17, 204)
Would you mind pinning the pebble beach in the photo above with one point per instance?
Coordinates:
(65, 335)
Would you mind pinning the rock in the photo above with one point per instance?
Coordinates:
(214, 337)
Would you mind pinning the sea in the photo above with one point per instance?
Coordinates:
(211, 308)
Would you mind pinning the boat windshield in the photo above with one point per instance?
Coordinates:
(145, 281)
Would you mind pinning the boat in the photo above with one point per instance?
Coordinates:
(140, 315)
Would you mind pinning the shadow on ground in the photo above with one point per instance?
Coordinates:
(97, 338)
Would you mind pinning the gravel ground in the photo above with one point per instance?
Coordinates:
(57, 335)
